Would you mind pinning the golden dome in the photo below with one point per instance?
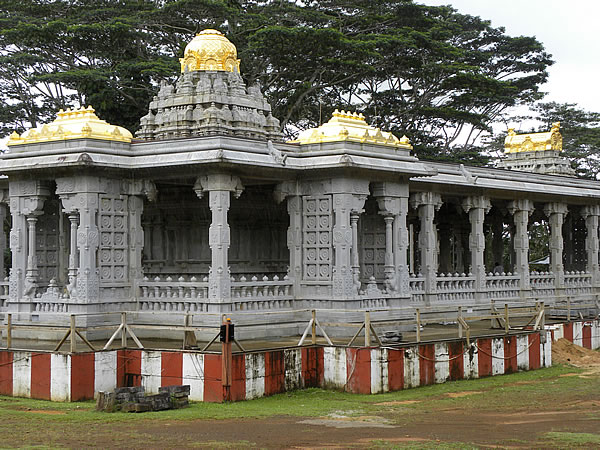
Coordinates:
(210, 50)
(72, 124)
(348, 126)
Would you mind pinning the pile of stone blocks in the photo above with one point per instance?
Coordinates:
(134, 399)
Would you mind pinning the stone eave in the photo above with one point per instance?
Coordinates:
(504, 183)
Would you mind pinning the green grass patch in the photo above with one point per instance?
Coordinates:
(571, 439)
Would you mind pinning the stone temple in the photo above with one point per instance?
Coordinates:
(208, 210)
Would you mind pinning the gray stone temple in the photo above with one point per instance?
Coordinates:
(207, 209)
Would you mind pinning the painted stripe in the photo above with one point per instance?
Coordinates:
(82, 376)
(427, 364)
(6, 373)
(497, 356)
(510, 354)
(255, 375)
(171, 369)
(40, 375)
(238, 377)
(274, 372)
(358, 370)
(442, 362)
(213, 387)
(129, 368)
(484, 357)
(379, 370)
(21, 374)
(193, 374)
(334, 367)
(567, 331)
(558, 332)
(578, 333)
(105, 370)
(534, 351)
(151, 369)
(547, 351)
(522, 352)
(293, 369)
(60, 377)
(411, 367)
(395, 369)
(313, 371)
(456, 363)
(471, 361)
(586, 333)
(596, 334)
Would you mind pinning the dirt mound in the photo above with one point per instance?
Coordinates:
(565, 352)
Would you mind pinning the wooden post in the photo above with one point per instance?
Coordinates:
(72, 335)
(460, 327)
(124, 330)
(9, 330)
(543, 322)
(313, 339)
(568, 309)
(226, 362)
(418, 325)
(506, 323)
(367, 328)
(492, 311)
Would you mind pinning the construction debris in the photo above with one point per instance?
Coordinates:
(134, 399)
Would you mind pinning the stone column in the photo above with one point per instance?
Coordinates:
(354, 216)
(590, 214)
(477, 207)
(88, 277)
(427, 203)
(556, 214)
(520, 210)
(73, 253)
(3, 197)
(294, 240)
(26, 201)
(219, 188)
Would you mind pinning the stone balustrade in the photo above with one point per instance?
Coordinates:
(416, 286)
(454, 287)
(502, 285)
(542, 283)
(578, 282)
(3, 293)
(180, 295)
(252, 293)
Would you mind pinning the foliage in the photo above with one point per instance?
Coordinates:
(428, 72)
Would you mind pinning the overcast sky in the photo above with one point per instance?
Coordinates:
(568, 31)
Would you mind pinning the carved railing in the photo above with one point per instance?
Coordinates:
(416, 286)
(257, 294)
(578, 283)
(542, 284)
(453, 287)
(176, 295)
(3, 293)
(502, 285)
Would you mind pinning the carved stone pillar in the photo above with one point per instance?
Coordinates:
(590, 214)
(354, 216)
(3, 198)
(219, 187)
(26, 201)
(73, 252)
(294, 240)
(556, 214)
(427, 203)
(477, 208)
(520, 210)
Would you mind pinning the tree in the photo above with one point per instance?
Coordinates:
(428, 72)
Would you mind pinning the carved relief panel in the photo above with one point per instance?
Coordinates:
(48, 245)
(372, 246)
(316, 230)
(112, 254)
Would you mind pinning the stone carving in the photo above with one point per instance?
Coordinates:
(277, 156)
(317, 231)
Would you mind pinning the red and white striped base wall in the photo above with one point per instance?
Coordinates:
(65, 377)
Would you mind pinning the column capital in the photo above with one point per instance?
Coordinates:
(425, 198)
(555, 208)
(218, 182)
(523, 204)
(590, 210)
(476, 201)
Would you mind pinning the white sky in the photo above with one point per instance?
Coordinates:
(568, 31)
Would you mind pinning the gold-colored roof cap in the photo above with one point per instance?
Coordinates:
(210, 50)
(72, 124)
(533, 142)
(348, 126)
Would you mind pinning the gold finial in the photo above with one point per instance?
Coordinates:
(72, 124)
(532, 142)
(351, 126)
(210, 50)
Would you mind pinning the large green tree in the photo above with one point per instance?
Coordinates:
(439, 76)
